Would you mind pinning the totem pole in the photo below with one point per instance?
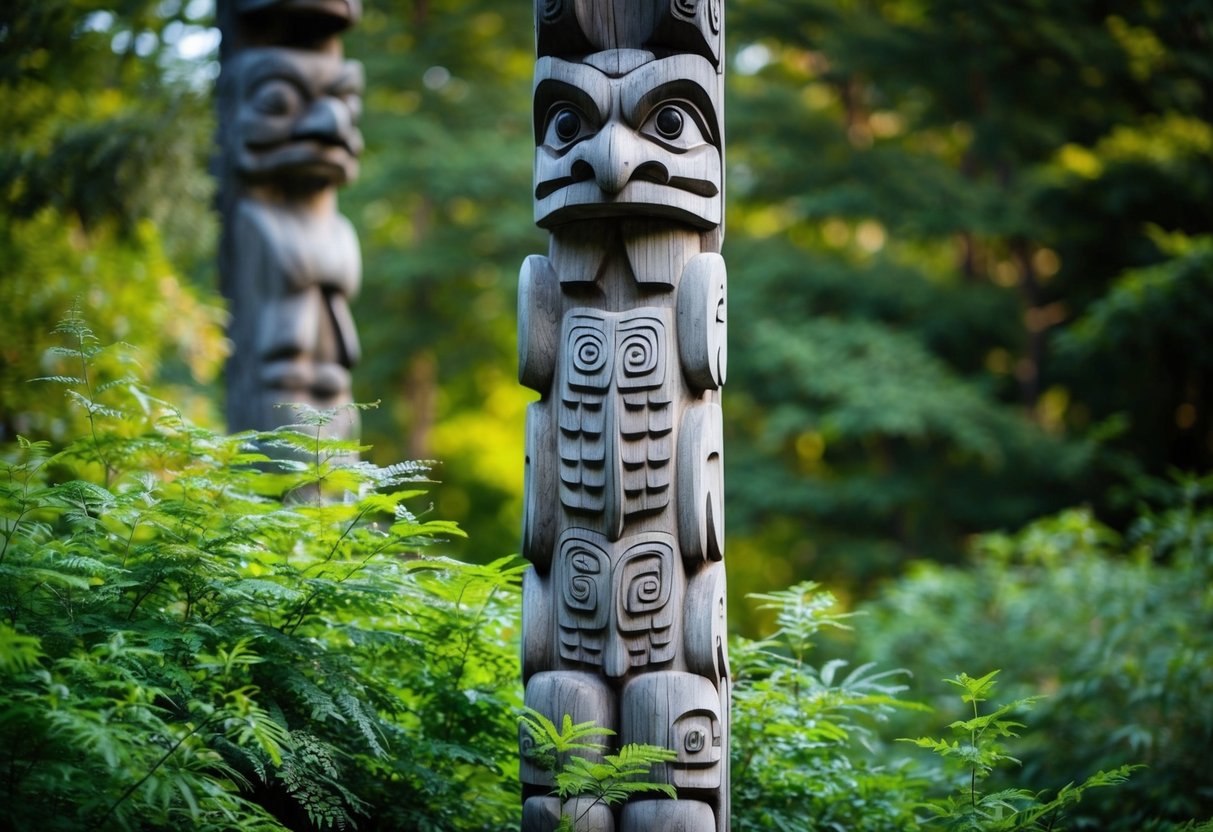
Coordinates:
(622, 332)
(289, 263)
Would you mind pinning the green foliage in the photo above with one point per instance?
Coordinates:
(179, 648)
(976, 751)
(803, 737)
(1114, 630)
(444, 221)
(106, 200)
(607, 779)
(951, 225)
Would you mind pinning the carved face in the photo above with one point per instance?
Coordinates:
(624, 134)
(616, 414)
(296, 116)
(679, 711)
(615, 608)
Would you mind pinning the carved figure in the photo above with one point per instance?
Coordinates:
(290, 261)
(622, 331)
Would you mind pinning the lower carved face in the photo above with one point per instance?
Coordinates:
(679, 711)
(296, 116)
(616, 600)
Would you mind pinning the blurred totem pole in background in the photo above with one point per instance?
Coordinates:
(289, 263)
(622, 332)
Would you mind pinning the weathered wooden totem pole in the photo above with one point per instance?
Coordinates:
(622, 332)
(289, 262)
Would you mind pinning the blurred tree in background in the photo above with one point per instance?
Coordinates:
(970, 264)
(106, 196)
(969, 251)
(444, 215)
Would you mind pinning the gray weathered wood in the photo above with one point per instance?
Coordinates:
(289, 263)
(622, 332)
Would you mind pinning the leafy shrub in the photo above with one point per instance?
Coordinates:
(976, 750)
(803, 737)
(1116, 631)
(182, 649)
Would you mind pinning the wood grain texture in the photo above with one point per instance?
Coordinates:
(538, 323)
(703, 321)
(679, 711)
(542, 814)
(539, 488)
(629, 182)
(701, 483)
(582, 696)
(706, 634)
(538, 638)
(667, 816)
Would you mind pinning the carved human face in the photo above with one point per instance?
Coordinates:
(625, 134)
(296, 116)
(615, 600)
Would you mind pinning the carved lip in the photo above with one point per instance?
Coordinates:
(575, 200)
(315, 144)
(331, 164)
(654, 172)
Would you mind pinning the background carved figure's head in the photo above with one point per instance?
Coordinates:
(296, 115)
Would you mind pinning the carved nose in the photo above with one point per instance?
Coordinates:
(614, 658)
(614, 155)
(327, 120)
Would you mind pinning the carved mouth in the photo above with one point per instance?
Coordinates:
(649, 172)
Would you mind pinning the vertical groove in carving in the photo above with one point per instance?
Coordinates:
(289, 262)
(628, 542)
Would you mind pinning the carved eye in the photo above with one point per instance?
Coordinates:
(669, 122)
(677, 126)
(565, 126)
(699, 732)
(695, 741)
(276, 98)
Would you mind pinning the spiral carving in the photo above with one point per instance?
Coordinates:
(587, 571)
(645, 579)
(551, 10)
(695, 741)
(686, 8)
(641, 344)
(588, 351)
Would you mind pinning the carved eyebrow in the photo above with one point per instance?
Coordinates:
(581, 85)
(273, 64)
(686, 77)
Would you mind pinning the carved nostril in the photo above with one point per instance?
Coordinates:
(582, 171)
(653, 172)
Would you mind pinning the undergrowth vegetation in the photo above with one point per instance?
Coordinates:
(191, 639)
(181, 648)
